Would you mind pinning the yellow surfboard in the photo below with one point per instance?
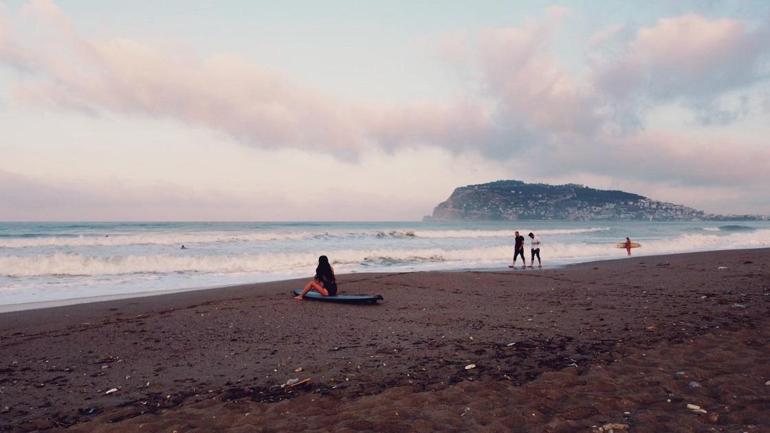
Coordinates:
(633, 245)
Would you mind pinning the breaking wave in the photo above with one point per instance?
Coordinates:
(352, 260)
(197, 238)
(175, 238)
(471, 234)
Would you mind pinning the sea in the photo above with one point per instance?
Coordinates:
(45, 264)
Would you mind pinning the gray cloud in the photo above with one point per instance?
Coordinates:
(691, 59)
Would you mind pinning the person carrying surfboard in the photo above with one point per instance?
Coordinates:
(628, 244)
(323, 282)
(534, 244)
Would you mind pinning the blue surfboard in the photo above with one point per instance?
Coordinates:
(342, 299)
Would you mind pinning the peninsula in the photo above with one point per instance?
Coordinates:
(509, 200)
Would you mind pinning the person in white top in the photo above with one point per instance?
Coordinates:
(534, 245)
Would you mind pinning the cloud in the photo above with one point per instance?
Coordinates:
(596, 123)
(251, 103)
(690, 58)
(522, 92)
(261, 107)
(456, 127)
(529, 85)
(519, 101)
(524, 96)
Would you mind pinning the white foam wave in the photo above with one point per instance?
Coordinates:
(70, 264)
(193, 238)
(453, 234)
(689, 242)
(175, 238)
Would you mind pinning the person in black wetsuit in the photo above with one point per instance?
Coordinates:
(323, 282)
(518, 249)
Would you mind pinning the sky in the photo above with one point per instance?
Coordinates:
(348, 110)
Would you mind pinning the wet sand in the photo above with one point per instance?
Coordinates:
(624, 344)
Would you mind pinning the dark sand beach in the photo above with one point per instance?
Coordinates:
(621, 345)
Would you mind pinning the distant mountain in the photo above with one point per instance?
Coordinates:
(509, 200)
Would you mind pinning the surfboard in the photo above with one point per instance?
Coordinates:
(633, 245)
(342, 299)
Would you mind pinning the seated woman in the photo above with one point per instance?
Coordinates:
(323, 282)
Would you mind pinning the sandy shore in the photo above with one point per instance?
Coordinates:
(630, 342)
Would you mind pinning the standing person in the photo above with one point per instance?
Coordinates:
(323, 282)
(627, 245)
(534, 245)
(518, 249)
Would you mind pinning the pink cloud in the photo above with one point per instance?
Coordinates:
(529, 83)
(222, 92)
(256, 105)
(691, 57)
(458, 126)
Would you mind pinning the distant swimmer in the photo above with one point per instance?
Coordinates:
(534, 248)
(323, 282)
(183, 247)
(518, 249)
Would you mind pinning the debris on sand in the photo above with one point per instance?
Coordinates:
(695, 408)
(612, 427)
(293, 383)
(110, 391)
(470, 366)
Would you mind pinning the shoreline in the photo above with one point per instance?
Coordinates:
(44, 305)
(229, 351)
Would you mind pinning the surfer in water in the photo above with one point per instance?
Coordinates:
(518, 249)
(534, 244)
(323, 282)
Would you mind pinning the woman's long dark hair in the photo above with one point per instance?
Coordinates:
(324, 271)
